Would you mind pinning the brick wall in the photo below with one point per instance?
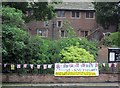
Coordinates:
(79, 24)
(52, 79)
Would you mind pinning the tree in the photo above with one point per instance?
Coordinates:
(18, 5)
(14, 38)
(39, 48)
(112, 40)
(68, 29)
(107, 13)
(12, 16)
(76, 55)
(41, 10)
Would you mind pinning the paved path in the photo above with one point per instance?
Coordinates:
(60, 85)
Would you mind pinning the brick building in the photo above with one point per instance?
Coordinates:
(80, 15)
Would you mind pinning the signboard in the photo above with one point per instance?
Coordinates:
(76, 69)
(113, 55)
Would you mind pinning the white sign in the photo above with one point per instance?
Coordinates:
(112, 56)
(76, 69)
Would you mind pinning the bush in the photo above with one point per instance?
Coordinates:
(112, 40)
(76, 54)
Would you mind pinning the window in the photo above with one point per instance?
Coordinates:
(84, 33)
(46, 23)
(89, 14)
(75, 14)
(59, 23)
(42, 32)
(63, 33)
(107, 33)
(60, 13)
(29, 12)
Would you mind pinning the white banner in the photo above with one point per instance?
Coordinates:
(115, 64)
(5, 65)
(38, 66)
(44, 66)
(25, 65)
(76, 69)
(31, 66)
(18, 65)
(49, 65)
(104, 64)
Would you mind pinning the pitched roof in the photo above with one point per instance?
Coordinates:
(74, 6)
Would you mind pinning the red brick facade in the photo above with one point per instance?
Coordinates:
(84, 25)
(54, 79)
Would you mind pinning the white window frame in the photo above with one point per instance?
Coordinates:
(84, 33)
(46, 32)
(75, 15)
(61, 16)
(89, 15)
(64, 34)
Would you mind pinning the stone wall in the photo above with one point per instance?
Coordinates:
(52, 79)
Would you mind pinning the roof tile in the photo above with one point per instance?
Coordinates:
(75, 6)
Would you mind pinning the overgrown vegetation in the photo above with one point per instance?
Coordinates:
(76, 54)
(107, 13)
(112, 40)
(20, 47)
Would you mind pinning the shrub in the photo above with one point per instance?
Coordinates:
(76, 54)
(112, 40)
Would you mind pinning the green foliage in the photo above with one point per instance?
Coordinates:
(100, 67)
(38, 48)
(53, 52)
(47, 51)
(112, 40)
(19, 47)
(56, 1)
(18, 5)
(104, 69)
(76, 54)
(12, 16)
(41, 10)
(14, 41)
(14, 37)
(90, 46)
(119, 27)
(107, 13)
(68, 29)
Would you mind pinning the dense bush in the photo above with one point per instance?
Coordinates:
(90, 46)
(14, 37)
(112, 40)
(76, 55)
